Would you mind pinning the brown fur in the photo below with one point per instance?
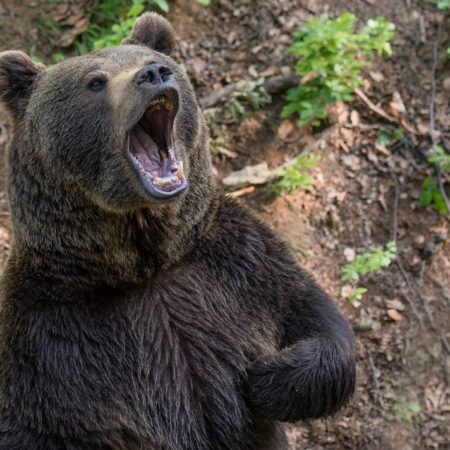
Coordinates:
(132, 323)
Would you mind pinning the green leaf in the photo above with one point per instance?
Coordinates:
(135, 10)
(357, 294)
(162, 5)
(443, 4)
(335, 54)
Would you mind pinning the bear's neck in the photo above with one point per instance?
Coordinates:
(64, 238)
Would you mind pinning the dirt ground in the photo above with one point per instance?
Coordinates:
(362, 195)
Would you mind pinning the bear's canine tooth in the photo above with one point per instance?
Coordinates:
(180, 173)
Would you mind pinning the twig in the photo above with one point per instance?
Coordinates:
(423, 36)
(395, 210)
(375, 378)
(432, 118)
(373, 107)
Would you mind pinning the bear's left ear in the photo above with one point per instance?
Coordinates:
(17, 76)
(153, 31)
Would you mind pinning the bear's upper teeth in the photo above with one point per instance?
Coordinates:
(154, 105)
(168, 104)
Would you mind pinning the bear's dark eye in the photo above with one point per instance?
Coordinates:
(97, 84)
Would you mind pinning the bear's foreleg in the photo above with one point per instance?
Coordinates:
(313, 374)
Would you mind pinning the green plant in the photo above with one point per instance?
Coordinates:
(112, 20)
(163, 5)
(405, 411)
(443, 4)
(121, 30)
(372, 260)
(249, 93)
(332, 56)
(49, 31)
(357, 294)
(389, 136)
(102, 18)
(296, 176)
(440, 157)
(431, 192)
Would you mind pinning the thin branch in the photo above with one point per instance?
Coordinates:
(373, 107)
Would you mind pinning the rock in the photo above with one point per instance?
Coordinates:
(349, 254)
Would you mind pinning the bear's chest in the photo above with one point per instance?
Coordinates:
(176, 356)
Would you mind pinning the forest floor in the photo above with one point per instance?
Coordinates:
(361, 195)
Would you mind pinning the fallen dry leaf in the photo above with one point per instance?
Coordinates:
(394, 315)
(378, 77)
(395, 304)
(397, 106)
(355, 118)
(285, 129)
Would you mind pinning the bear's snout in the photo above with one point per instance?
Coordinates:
(154, 74)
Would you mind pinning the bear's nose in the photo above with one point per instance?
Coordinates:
(154, 74)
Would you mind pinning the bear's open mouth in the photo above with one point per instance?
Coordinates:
(151, 150)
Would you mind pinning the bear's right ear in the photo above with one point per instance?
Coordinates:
(17, 76)
(154, 31)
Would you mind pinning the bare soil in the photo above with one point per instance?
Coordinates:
(361, 196)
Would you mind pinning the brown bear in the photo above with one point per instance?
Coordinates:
(140, 307)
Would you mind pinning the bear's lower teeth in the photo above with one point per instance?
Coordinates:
(163, 182)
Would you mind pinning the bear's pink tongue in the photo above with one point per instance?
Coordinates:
(145, 150)
(163, 171)
(150, 146)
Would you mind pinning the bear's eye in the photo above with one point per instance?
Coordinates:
(97, 84)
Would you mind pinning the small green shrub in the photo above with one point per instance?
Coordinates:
(121, 30)
(49, 31)
(440, 157)
(249, 94)
(443, 4)
(357, 294)
(370, 261)
(112, 20)
(389, 136)
(431, 193)
(296, 176)
(405, 411)
(332, 56)
(374, 259)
